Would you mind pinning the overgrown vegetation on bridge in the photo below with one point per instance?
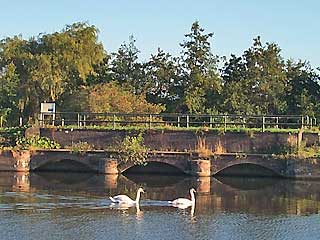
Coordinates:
(132, 150)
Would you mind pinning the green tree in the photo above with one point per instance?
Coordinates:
(51, 65)
(125, 68)
(304, 95)
(102, 72)
(110, 97)
(256, 82)
(8, 94)
(200, 79)
(163, 80)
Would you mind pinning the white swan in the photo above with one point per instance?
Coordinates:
(124, 199)
(184, 202)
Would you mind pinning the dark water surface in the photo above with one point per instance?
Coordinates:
(76, 206)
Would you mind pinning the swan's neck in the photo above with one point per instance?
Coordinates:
(138, 197)
(193, 199)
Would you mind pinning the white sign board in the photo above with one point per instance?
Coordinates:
(48, 107)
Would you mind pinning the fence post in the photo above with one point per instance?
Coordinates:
(225, 122)
(307, 120)
(302, 122)
(62, 122)
(42, 119)
(263, 123)
(53, 119)
(114, 122)
(150, 120)
(78, 119)
(178, 121)
(1, 121)
(20, 122)
(187, 121)
(211, 121)
(84, 120)
(277, 122)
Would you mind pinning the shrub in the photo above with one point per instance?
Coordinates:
(132, 149)
(202, 149)
(110, 97)
(9, 136)
(219, 149)
(36, 142)
(81, 147)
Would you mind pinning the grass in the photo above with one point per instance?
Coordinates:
(194, 129)
(205, 150)
(202, 148)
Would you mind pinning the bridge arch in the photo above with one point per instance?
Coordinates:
(249, 168)
(64, 165)
(60, 162)
(154, 168)
(160, 166)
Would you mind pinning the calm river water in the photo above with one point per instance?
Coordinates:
(76, 206)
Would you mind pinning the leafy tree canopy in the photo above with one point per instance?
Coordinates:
(49, 65)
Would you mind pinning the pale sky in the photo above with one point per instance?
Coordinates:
(292, 24)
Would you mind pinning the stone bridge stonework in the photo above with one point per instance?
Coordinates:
(94, 161)
(224, 161)
(189, 163)
(180, 161)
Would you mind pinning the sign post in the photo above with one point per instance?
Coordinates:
(47, 109)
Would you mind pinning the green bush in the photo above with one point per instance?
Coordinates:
(36, 143)
(9, 136)
(81, 147)
(132, 149)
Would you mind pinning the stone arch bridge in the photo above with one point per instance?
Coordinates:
(189, 163)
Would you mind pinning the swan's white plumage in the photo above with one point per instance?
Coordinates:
(124, 199)
(184, 202)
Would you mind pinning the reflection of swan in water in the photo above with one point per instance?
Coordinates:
(124, 207)
(184, 202)
(192, 210)
(139, 213)
(124, 199)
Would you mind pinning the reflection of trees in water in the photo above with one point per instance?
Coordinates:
(279, 197)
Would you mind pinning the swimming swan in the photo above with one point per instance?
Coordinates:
(184, 202)
(124, 199)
